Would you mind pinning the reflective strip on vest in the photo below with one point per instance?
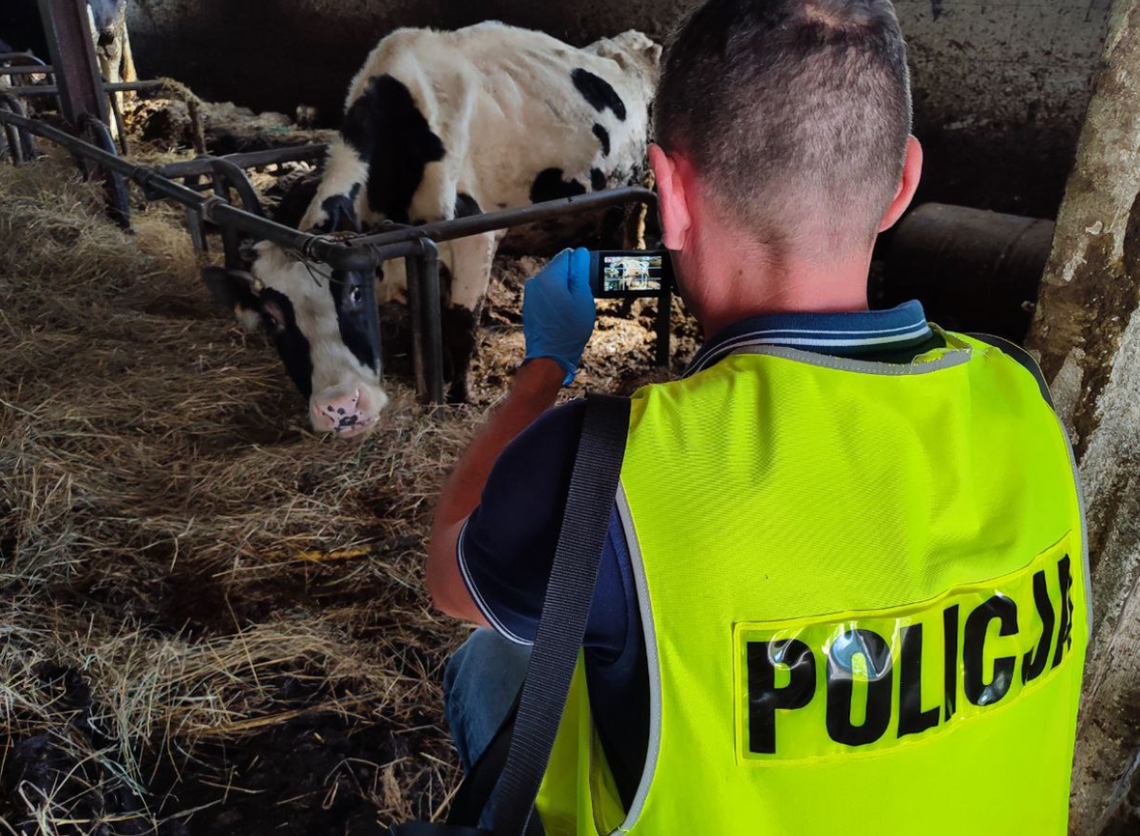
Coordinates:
(863, 589)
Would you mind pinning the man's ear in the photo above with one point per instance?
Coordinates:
(911, 174)
(672, 201)
(236, 290)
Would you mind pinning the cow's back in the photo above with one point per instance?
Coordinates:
(519, 115)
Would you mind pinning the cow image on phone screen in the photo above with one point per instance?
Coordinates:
(629, 273)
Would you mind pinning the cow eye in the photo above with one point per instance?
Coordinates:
(273, 316)
(354, 299)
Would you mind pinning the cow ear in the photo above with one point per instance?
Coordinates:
(236, 290)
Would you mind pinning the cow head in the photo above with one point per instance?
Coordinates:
(319, 321)
(104, 16)
(633, 51)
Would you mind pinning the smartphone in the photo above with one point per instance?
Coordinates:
(624, 273)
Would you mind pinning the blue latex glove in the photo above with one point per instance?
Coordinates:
(558, 311)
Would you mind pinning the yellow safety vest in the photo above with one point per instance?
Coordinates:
(863, 591)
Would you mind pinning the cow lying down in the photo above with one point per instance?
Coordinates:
(441, 125)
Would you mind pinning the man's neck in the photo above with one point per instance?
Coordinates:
(736, 283)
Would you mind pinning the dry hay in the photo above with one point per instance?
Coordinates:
(183, 565)
(213, 621)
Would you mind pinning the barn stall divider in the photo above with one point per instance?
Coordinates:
(417, 245)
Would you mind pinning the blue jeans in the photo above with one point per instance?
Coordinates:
(479, 688)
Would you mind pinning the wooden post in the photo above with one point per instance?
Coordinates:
(1087, 330)
(68, 30)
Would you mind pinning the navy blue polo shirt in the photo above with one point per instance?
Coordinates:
(506, 548)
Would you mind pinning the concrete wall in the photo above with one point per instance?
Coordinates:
(1000, 85)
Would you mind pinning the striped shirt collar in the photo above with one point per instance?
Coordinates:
(850, 334)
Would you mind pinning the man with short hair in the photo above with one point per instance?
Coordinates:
(843, 586)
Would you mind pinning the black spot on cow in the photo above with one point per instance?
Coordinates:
(340, 212)
(351, 300)
(466, 206)
(598, 92)
(603, 137)
(597, 179)
(393, 137)
(549, 185)
(292, 346)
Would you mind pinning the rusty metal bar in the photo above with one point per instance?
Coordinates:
(68, 31)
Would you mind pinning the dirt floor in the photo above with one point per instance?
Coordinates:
(213, 620)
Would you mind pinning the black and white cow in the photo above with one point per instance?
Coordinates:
(440, 125)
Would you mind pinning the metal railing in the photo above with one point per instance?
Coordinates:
(417, 245)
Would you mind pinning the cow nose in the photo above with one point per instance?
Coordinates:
(340, 413)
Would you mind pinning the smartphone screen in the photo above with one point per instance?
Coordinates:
(630, 273)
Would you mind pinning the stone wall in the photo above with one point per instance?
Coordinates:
(1000, 85)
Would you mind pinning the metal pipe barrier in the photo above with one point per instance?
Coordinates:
(251, 159)
(109, 87)
(364, 253)
(23, 58)
(26, 69)
(21, 145)
(115, 187)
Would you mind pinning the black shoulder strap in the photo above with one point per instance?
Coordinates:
(520, 750)
(1021, 356)
(593, 488)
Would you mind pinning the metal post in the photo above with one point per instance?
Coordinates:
(73, 62)
(68, 30)
(415, 316)
(433, 327)
(120, 124)
(15, 139)
(664, 325)
(118, 198)
(226, 175)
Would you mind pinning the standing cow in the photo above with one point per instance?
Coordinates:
(440, 125)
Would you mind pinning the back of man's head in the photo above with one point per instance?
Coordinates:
(794, 114)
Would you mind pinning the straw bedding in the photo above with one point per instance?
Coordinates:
(212, 620)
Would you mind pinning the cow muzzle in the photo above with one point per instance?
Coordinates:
(347, 412)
